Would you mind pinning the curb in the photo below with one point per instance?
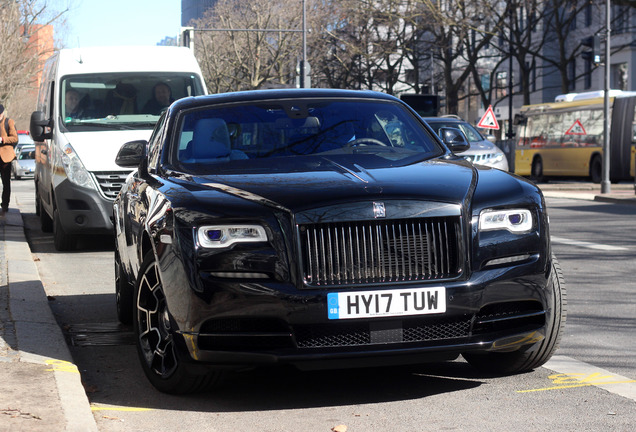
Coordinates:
(591, 196)
(39, 337)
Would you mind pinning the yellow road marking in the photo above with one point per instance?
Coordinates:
(118, 408)
(61, 366)
(572, 373)
(573, 386)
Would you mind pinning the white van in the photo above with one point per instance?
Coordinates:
(76, 178)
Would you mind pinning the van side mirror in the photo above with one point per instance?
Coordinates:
(131, 154)
(40, 127)
(454, 139)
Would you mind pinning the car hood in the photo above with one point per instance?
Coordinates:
(480, 147)
(98, 150)
(435, 180)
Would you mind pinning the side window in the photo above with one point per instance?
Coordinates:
(50, 100)
(154, 145)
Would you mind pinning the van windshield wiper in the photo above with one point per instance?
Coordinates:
(125, 126)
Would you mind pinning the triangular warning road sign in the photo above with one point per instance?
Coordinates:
(576, 129)
(488, 121)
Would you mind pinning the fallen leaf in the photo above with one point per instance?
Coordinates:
(339, 428)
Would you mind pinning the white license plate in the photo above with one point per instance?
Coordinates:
(386, 303)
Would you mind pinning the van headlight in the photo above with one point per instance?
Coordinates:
(513, 220)
(74, 168)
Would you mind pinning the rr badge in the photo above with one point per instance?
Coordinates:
(378, 210)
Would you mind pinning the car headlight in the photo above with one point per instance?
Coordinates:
(219, 236)
(513, 220)
(74, 168)
(498, 157)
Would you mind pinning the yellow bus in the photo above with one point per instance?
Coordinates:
(565, 138)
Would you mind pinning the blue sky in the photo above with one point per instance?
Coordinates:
(119, 22)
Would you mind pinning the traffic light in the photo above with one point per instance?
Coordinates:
(596, 49)
(593, 53)
(187, 37)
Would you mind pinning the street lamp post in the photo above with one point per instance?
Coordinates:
(605, 182)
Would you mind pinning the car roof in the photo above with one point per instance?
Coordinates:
(443, 119)
(279, 94)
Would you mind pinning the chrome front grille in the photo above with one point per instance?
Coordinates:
(350, 253)
(110, 182)
(480, 158)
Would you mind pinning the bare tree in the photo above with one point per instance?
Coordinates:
(235, 51)
(457, 38)
(22, 54)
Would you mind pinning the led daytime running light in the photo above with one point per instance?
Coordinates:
(514, 220)
(220, 236)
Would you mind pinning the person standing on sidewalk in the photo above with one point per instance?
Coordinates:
(8, 140)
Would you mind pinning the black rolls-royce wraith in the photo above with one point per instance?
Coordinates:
(326, 229)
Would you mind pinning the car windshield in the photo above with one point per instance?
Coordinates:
(121, 100)
(471, 133)
(27, 153)
(249, 135)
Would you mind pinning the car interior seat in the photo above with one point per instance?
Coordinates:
(210, 140)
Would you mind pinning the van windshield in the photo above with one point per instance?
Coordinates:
(121, 100)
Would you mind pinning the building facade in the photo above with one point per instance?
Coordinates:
(194, 9)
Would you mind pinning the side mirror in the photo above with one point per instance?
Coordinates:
(40, 127)
(131, 154)
(491, 138)
(454, 139)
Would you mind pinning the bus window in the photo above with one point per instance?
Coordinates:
(566, 138)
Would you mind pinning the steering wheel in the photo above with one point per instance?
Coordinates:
(365, 141)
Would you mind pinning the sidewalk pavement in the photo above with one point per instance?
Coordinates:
(623, 193)
(40, 386)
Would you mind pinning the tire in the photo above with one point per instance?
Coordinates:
(596, 169)
(61, 240)
(537, 170)
(524, 360)
(46, 223)
(161, 359)
(123, 294)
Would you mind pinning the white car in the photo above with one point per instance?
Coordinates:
(481, 152)
(24, 138)
(24, 163)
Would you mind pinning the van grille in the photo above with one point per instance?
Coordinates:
(110, 182)
(380, 251)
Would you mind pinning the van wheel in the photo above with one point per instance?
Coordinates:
(537, 170)
(61, 240)
(527, 359)
(596, 169)
(46, 223)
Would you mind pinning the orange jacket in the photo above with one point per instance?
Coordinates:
(9, 140)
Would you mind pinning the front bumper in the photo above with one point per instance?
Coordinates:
(247, 324)
(82, 210)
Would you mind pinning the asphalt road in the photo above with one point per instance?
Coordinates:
(581, 389)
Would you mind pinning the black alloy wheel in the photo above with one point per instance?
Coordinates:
(524, 359)
(156, 341)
